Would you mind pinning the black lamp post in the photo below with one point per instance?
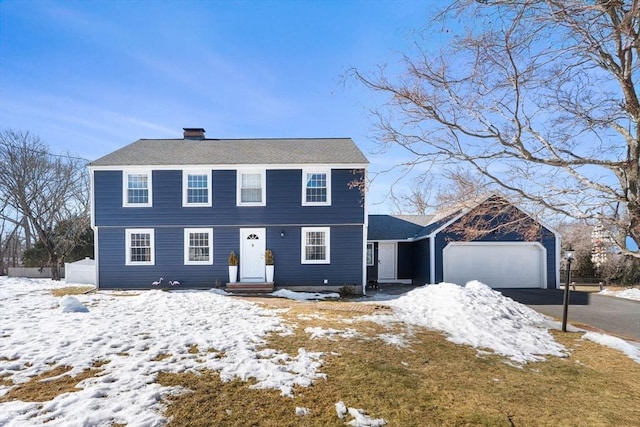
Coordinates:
(569, 254)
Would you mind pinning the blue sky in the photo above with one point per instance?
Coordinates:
(89, 77)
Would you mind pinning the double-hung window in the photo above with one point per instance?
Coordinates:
(198, 246)
(251, 188)
(316, 187)
(137, 188)
(316, 243)
(140, 247)
(196, 188)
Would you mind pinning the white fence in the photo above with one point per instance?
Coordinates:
(82, 272)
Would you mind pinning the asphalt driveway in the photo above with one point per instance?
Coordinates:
(618, 316)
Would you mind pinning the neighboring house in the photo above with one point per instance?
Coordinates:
(423, 249)
(176, 208)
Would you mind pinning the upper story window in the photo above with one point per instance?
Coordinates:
(137, 189)
(139, 246)
(196, 188)
(198, 246)
(316, 187)
(251, 188)
(315, 245)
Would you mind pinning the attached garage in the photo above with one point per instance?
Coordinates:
(498, 264)
(490, 240)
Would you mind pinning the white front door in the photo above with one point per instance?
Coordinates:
(386, 261)
(252, 246)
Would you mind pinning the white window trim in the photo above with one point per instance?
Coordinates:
(304, 187)
(303, 239)
(373, 254)
(127, 244)
(185, 192)
(187, 231)
(263, 185)
(125, 187)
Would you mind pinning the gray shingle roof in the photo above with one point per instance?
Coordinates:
(147, 152)
(395, 227)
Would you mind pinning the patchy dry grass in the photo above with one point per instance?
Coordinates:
(5, 381)
(50, 384)
(72, 290)
(431, 382)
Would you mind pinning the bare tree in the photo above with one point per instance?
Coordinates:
(417, 201)
(42, 190)
(538, 97)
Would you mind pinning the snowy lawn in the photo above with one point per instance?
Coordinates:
(139, 336)
(134, 336)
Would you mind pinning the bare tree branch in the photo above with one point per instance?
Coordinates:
(539, 97)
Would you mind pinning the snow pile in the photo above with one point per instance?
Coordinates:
(477, 315)
(139, 336)
(70, 304)
(632, 293)
(304, 296)
(631, 350)
(360, 419)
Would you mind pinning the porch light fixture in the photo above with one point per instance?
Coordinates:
(569, 256)
(282, 233)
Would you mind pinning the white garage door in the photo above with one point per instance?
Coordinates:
(497, 264)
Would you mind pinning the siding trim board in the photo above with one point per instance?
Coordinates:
(223, 166)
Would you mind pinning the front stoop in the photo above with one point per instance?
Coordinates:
(250, 288)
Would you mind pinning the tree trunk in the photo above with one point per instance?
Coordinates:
(55, 270)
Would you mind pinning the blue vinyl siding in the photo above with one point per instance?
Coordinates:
(345, 267)
(421, 262)
(405, 260)
(284, 195)
(345, 253)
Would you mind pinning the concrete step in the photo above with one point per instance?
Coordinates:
(254, 288)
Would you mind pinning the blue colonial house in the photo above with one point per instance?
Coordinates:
(176, 208)
(490, 240)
